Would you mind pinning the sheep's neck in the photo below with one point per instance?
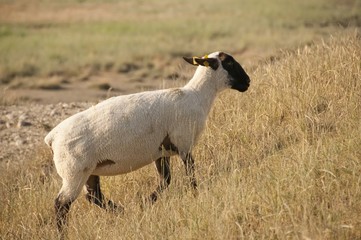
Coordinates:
(204, 88)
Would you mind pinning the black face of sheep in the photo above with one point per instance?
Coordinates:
(238, 78)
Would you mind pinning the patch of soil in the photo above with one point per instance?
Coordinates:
(23, 128)
(94, 88)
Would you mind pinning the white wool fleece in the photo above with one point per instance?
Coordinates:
(129, 130)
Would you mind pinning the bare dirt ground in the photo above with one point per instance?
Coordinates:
(97, 87)
(23, 127)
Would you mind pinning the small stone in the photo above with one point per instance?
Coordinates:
(53, 112)
(23, 123)
(20, 142)
(22, 117)
(65, 105)
(10, 116)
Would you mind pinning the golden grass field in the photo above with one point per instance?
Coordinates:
(281, 161)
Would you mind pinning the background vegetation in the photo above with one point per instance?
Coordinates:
(281, 161)
(73, 39)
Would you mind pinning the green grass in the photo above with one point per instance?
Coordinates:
(51, 38)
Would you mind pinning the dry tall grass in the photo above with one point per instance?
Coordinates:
(281, 161)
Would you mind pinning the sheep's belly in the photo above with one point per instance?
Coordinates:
(110, 167)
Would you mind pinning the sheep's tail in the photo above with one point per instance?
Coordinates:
(49, 138)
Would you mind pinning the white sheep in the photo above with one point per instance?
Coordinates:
(125, 133)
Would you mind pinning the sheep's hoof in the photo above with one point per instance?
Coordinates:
(195, 192)
(115, 208)
(147, 201)
(152, 198)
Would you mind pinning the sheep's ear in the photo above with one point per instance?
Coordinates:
(191, 60)
(206, 62)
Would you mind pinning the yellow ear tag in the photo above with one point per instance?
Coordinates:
(206, 63)
(194, 61)
(205, 56)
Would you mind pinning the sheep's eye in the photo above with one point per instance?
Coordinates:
(230, 64)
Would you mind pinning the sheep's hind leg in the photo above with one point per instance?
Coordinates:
(163, 167)
(69, 191)
(95, 195)
(62, 207)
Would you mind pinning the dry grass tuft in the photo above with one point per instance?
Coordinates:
(280, 161)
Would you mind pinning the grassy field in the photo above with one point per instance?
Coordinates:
(281, 161)
(43, 39)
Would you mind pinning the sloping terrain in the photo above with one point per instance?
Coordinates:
(277, 162)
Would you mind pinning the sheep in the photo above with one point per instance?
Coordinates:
(125, 133)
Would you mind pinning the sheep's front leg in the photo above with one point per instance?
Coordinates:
(189, 166)
(163, 167)
(95, 195)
